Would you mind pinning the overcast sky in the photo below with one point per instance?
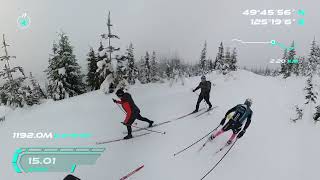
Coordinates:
(166, 26)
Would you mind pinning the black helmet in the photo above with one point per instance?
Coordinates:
(119, 93)
(248, 102)
(203, 78)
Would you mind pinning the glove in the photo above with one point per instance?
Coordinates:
(114, 100)
(124, 123)
(241, 134)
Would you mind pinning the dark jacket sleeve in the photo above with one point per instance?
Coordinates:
(231, 110)
(204, 86)
(198, 87)
(126, 97)
(248, 122)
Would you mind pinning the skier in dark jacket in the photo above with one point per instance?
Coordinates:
(236, 116)
(205, 87)
(132, 110)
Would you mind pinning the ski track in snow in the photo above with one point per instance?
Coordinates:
(272, 148)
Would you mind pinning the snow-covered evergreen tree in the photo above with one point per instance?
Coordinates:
(276, 72)
(121, 76)
(317, 114)
(233, 60)
(284, 66)
(292, 67)
(203, 59)
(36, 88)
(210, 65)
(154, 68)
(110, 79)
(218, 64)
(63, 73)
(35, 93)
(92, 75)
(12, 93)
(314, 58)
(311, 95)
(177, 74)
(105, 68)
(132, 69)
(303, 66)
(288, 67)
(145, 72)
(168, 71)
(226, 62)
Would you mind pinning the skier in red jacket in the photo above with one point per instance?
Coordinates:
(132, 110)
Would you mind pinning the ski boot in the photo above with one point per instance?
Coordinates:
(229, 142)
(151, 123)
(211, 137)
(129, 136)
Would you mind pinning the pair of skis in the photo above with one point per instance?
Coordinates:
(148, 128)
(155, 125)
(207, 111)
(186, 115)
(121, 139)
(219, 150)
(201, 112)
(166, 122)
(139, 135)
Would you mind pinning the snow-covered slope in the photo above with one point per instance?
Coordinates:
(272, 148)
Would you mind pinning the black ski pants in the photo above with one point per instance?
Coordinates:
(234, 126)
(133, 118)
(206, 97)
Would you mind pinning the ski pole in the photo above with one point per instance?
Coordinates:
(196, 141)
(160, 132)
(219, 161)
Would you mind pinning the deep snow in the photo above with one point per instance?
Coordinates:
(272, 148)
